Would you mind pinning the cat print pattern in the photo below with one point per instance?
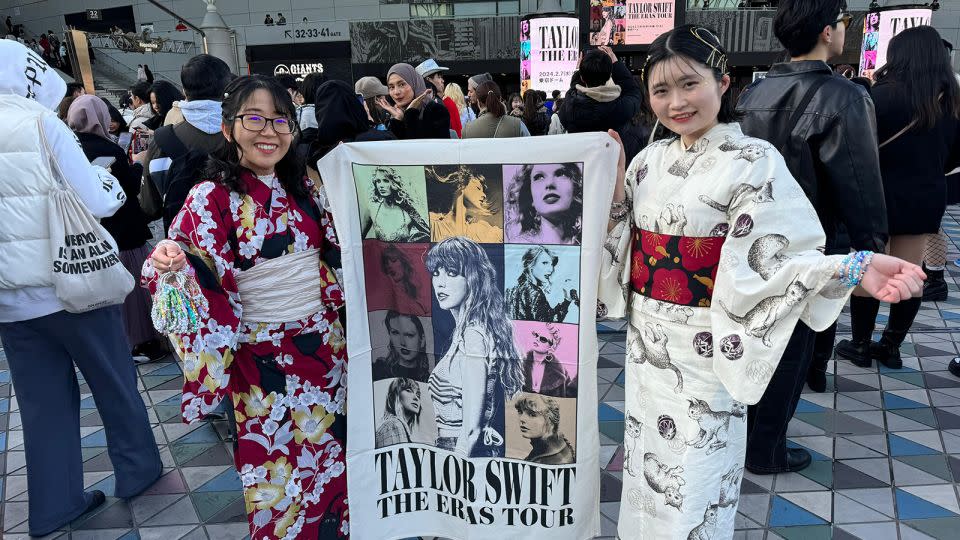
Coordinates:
(694, 366)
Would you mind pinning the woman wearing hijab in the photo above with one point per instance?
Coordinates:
(89, 117)
(414, 114)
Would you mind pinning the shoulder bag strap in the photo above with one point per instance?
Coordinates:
(52, 165)
(802, 108)
(497, 129)
(897, 135)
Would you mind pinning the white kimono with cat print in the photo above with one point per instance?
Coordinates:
(692, 368)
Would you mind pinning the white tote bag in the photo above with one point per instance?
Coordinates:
(87, 272)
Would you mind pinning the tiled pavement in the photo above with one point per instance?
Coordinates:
(886, 446)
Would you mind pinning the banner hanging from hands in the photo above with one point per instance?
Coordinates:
(549, 53)
(471, 286)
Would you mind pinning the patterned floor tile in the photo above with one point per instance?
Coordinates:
(911, 506)
(940, 528)
(847, 510)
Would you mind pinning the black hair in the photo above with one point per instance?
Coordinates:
(692, 43)
(204, 77)
(141, 90)
(377, 113)
(595, 68)
(555, 94)
(920, 69)
(799, 23)
(523, 213)
(73, 87)
(308, 88)
(511, 98)
(224, 165)
(166, 94)
(115, 116)
(288, 81)
(532, 101)
(864, 82)
(488, 95)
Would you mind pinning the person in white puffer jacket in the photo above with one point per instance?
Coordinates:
(42, 341)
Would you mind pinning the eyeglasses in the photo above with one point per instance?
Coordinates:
(255, 122)
(846, 19)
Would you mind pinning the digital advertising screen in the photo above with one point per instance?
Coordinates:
(879, 27)
(630, 22)
(549, 51)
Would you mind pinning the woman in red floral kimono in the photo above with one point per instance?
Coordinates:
(262, 250)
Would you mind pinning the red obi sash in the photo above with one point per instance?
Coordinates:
(675, 269)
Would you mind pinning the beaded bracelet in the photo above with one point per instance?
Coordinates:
(853, 267)
(619, 211)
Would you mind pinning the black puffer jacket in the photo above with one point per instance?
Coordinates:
(580, 113)
(832, 151)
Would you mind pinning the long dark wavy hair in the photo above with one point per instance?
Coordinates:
(391, 252)
(483, 306)
(393, 357)
(528, 260)
(224, 165)
(919, 65)
(398, 194)
(522, 211)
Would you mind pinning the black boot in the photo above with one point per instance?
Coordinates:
(901, 319)
(954, 367)
(822, 352)
(863, 319)
(935, 287)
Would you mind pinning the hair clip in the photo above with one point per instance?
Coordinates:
(643, 71)
(717, 58)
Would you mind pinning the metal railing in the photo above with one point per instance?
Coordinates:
(119, 72)
(124, 42)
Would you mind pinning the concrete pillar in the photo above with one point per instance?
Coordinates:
(219, 41)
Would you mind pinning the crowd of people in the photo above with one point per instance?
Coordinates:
(228, 164)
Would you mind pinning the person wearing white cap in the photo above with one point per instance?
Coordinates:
(432, 74)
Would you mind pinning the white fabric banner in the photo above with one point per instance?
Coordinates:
(470, 271)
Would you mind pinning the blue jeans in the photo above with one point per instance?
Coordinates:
(41, 353)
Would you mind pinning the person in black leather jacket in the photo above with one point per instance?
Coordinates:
(831, 150)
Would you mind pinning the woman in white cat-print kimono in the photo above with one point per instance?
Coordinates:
(713, 258)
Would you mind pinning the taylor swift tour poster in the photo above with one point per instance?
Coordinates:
(470, 270)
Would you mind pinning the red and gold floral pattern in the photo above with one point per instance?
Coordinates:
(286, 381)
(676, 269)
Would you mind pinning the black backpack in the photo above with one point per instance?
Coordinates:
(184, 172)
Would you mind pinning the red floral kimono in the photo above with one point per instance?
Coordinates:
(287, 381)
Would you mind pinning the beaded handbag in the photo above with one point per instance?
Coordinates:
(178, 304)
